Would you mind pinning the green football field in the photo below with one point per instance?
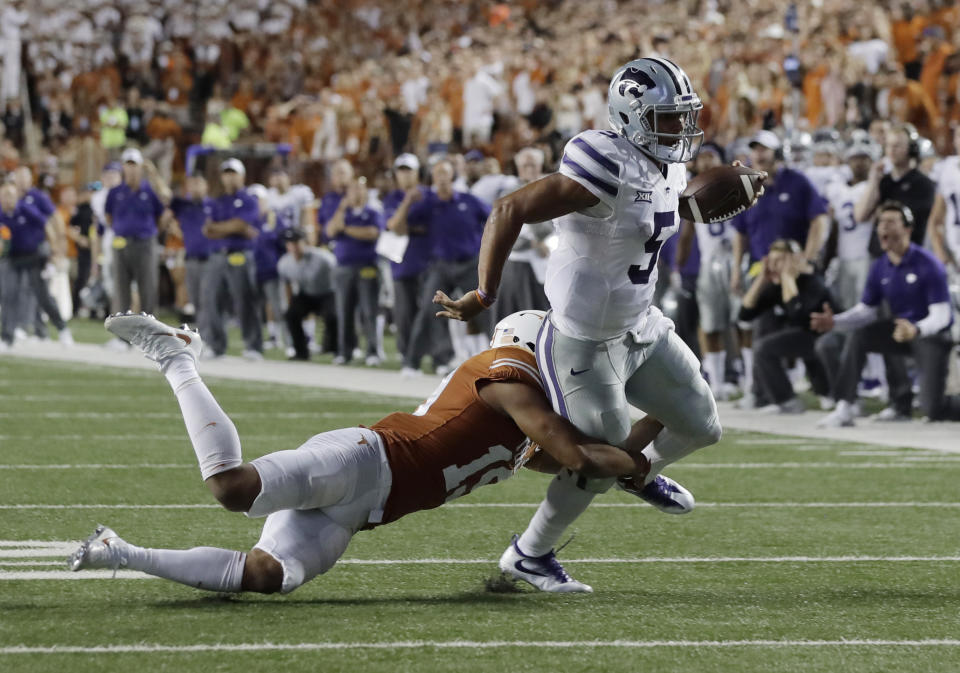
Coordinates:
(803, 555)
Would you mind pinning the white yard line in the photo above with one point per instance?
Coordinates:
(476, 645)
(938, 461)
(58, 575)
(521, 505)
(163, 415)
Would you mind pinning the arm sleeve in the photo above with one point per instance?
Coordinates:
(591, 159)
(938, 317)
(855, 317)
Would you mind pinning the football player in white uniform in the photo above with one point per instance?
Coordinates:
(853, 237)
(716, 304)
(945, 215)
(604, 347)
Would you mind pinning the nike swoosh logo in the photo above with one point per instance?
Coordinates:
(522, 568)
(578, 373)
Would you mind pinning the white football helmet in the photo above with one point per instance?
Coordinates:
(518, 329)
(643, 90)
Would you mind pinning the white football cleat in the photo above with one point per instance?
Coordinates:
(159, 342)
(66, 338)
(543, 572)
(841, 417)
(103, 549)
(663, 493)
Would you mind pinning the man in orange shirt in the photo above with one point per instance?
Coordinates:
(472, 431)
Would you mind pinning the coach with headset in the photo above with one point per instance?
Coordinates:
(903, 183)
(913, 283)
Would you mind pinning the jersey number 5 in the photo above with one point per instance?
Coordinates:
(641, 275)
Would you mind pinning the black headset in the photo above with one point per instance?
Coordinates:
(901, 208)
(913, 140)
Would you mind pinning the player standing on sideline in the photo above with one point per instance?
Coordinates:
(945, 215)
(716, 304)
(603, 346)
(186, 217)
(472, 431)
(234, 225)
(133, 208)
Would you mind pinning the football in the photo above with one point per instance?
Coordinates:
(720, 193)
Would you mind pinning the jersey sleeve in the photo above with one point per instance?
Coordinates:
(514, 364)
(592, 159)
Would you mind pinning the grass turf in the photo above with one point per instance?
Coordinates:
(74, 415)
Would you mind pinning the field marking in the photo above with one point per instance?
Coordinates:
(779, 441)
(473, 645)
(60, 575)
(521, 505)
(102, 466)
(163, 415)
(906, 462)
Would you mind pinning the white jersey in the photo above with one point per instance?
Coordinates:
(853, 238)
(824, 178)
(948, 187)
(715, 239)
(601, 277)
(289, 205)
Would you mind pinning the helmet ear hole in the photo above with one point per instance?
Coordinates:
(625, 118)
(531, 346)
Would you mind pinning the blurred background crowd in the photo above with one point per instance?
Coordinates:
(311, 171)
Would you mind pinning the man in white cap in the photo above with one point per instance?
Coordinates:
(132, 210)
(790, 208)
(235, 223)
(407, 212)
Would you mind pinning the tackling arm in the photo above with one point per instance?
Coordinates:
(541, 200)
(557, 436)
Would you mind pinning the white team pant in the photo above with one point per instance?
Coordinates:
(594, 383)
(316, 497)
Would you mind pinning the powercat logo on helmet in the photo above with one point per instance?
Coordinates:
(635, 82)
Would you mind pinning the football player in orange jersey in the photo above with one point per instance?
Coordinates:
(477, 428)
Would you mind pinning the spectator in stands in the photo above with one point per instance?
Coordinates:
(20, 269)
(456, 225)
(132, 210)
(236, 222)
(914, 284)
(307, 274)
(407, 211)
(353, 230)
(113, 126)
(903, 182)
(786, 286)
(790, 208)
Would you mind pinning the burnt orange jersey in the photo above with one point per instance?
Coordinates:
(455, 442)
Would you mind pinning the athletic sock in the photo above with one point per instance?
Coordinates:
(207, 568)
(213, 434)
(560, 508)
(713, 363)
(747, 355)
(669, 447)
